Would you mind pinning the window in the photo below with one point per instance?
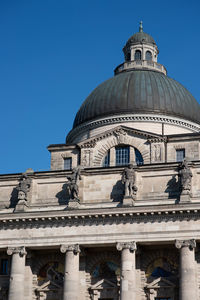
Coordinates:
(106, 160)
(122, 155)
(128, 56)
(180, 155)
(138, 55)
(138, 158)
(68, 163)
(148, 55)
(4, 266)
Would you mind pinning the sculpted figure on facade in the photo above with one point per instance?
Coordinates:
(128, 179)
(24, 187)
(185, 175)
(73, 183)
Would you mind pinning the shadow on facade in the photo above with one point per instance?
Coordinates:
(117, 193)
(64, 195)
(173, 188)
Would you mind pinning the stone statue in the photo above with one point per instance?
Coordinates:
(73, 183)
(23, 187)
(128, 179)
(185, 175)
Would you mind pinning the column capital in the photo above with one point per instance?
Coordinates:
(127, 245)
(74, 248)
(20, 250)
(191, 244)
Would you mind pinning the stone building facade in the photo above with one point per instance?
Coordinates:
(118, 215)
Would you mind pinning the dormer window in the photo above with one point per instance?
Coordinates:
(138, 55)
(148, 55)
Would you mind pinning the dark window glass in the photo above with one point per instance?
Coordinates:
(122, 155)
(128, 57)
(4, 267)
(138, 55)
(68, 163)
(148, 55)
(180, 155)
(106, 160)
(138, 157)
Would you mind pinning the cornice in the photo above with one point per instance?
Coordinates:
(131, 118)
(101, 216)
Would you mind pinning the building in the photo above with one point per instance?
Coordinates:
(118, 215)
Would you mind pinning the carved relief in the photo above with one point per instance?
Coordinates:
(24, 186)
(156, 152)
(86, 158)
(121, 136)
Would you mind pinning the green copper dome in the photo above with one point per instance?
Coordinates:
(140, 37)
(139, 91)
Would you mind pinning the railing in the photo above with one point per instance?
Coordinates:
(140, 64)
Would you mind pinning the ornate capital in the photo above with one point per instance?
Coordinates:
(13, 250)
(185, 243)
(74, 248)
(129, 245)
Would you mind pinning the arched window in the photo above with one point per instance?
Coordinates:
(138, 157)
(148, 55)
(122, 155)
(138, 55)
(106, 160)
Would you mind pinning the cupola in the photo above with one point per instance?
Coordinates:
(140, 52)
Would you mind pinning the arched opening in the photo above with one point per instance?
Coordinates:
(138, 55)
(148, 55)
(106, 160)
(122, 155)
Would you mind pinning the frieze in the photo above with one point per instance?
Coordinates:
(99, 218)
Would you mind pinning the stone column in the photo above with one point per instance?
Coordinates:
(71, 277)
(127, 284)
(187, 285)
(16, 287)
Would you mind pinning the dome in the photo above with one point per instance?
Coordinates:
(140, 37)
(139, 91)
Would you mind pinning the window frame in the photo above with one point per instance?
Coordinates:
(178, 151)
(67, 159)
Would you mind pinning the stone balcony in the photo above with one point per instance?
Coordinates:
(140, 64)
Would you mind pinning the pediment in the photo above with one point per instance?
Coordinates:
(49, 285)
(159, 283)
(119, 131)
(103, 284)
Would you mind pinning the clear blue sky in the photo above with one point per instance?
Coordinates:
(53, 53)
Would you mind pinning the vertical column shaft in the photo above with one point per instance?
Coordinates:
(128, 280)
(16, 287)
(71, 276)
(187, 283)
